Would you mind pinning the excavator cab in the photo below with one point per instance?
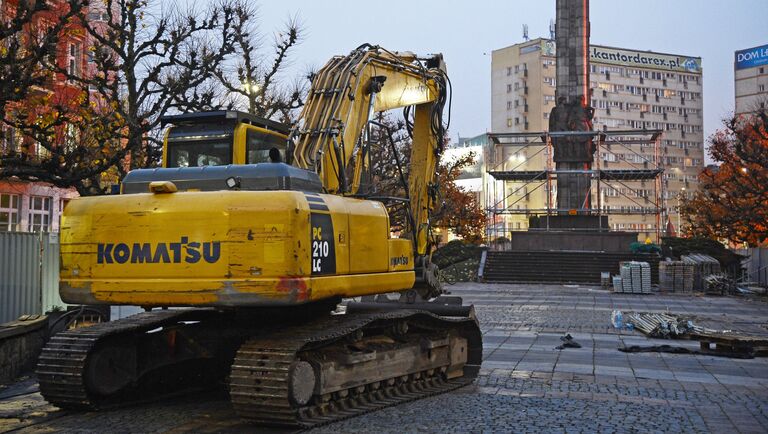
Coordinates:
(220, 138)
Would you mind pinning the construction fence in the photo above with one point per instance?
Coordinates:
(29, 274)
(756, 265)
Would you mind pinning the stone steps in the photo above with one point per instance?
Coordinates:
(559, 266)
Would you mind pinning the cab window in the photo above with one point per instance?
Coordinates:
(258, 144)
(198, 154)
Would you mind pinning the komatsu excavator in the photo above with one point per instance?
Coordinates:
(246, 240)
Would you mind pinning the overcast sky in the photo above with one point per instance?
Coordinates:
(467, 31)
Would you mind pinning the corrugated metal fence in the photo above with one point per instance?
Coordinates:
(29, 274)
(757, 264)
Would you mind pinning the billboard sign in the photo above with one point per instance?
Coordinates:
(644, 59)
(751, 57)
(631, 58)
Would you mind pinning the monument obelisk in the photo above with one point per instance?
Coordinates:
(572, 113)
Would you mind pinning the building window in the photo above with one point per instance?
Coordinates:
(761, 88)
(509, 122)
(75, 59)
(509, 88)
(509, 70)
(39, 214)
(9, 212)
(10, 142)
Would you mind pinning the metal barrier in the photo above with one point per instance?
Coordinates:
(29, 274)
(757, 265)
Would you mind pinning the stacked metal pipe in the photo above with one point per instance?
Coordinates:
(664, 325)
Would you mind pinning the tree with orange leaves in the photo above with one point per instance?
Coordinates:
(457, 209)
(733, 201)
(460, 210)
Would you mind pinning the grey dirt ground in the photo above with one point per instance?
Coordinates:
(525, 385)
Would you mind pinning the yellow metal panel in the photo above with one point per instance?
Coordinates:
(165, 147)
(235, 292)
(200, 234)
(339, 214)
(238, 148)
(226, 248)
(400, 254)
(369, 234)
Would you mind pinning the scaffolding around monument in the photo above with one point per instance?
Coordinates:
(510, 184)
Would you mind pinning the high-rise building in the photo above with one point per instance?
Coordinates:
(630, 90)
(751, 79)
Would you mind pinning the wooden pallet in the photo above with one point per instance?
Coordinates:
(736, 344)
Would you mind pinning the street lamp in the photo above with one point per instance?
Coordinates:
(250, 88)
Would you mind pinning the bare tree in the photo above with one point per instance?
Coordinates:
(147, 59)
(148, 64)
(143, 65)
(252, 82)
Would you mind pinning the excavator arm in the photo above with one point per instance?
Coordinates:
(330, 137)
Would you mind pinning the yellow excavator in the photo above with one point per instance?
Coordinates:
(246, 240)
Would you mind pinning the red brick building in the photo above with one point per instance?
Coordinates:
(37, 206)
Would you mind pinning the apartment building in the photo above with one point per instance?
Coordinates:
(751, 79)
(37, 206)
(631, 90)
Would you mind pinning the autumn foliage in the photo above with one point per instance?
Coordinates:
(732, 203)
(459, 210)
(456, 209)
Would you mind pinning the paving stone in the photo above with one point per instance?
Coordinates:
(524, 384)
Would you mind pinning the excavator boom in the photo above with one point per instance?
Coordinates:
(346, 93)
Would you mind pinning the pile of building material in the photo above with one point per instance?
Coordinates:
(718, 342)
(676, 276)
(719, 284)
(661, 325)
(635, 278)
(703, 266)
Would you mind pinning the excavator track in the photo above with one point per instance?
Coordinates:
(262, 378)
(63, 367)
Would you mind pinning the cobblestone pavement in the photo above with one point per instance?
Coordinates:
(525, 384)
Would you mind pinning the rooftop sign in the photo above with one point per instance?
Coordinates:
(632, 58)
(751, 57)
